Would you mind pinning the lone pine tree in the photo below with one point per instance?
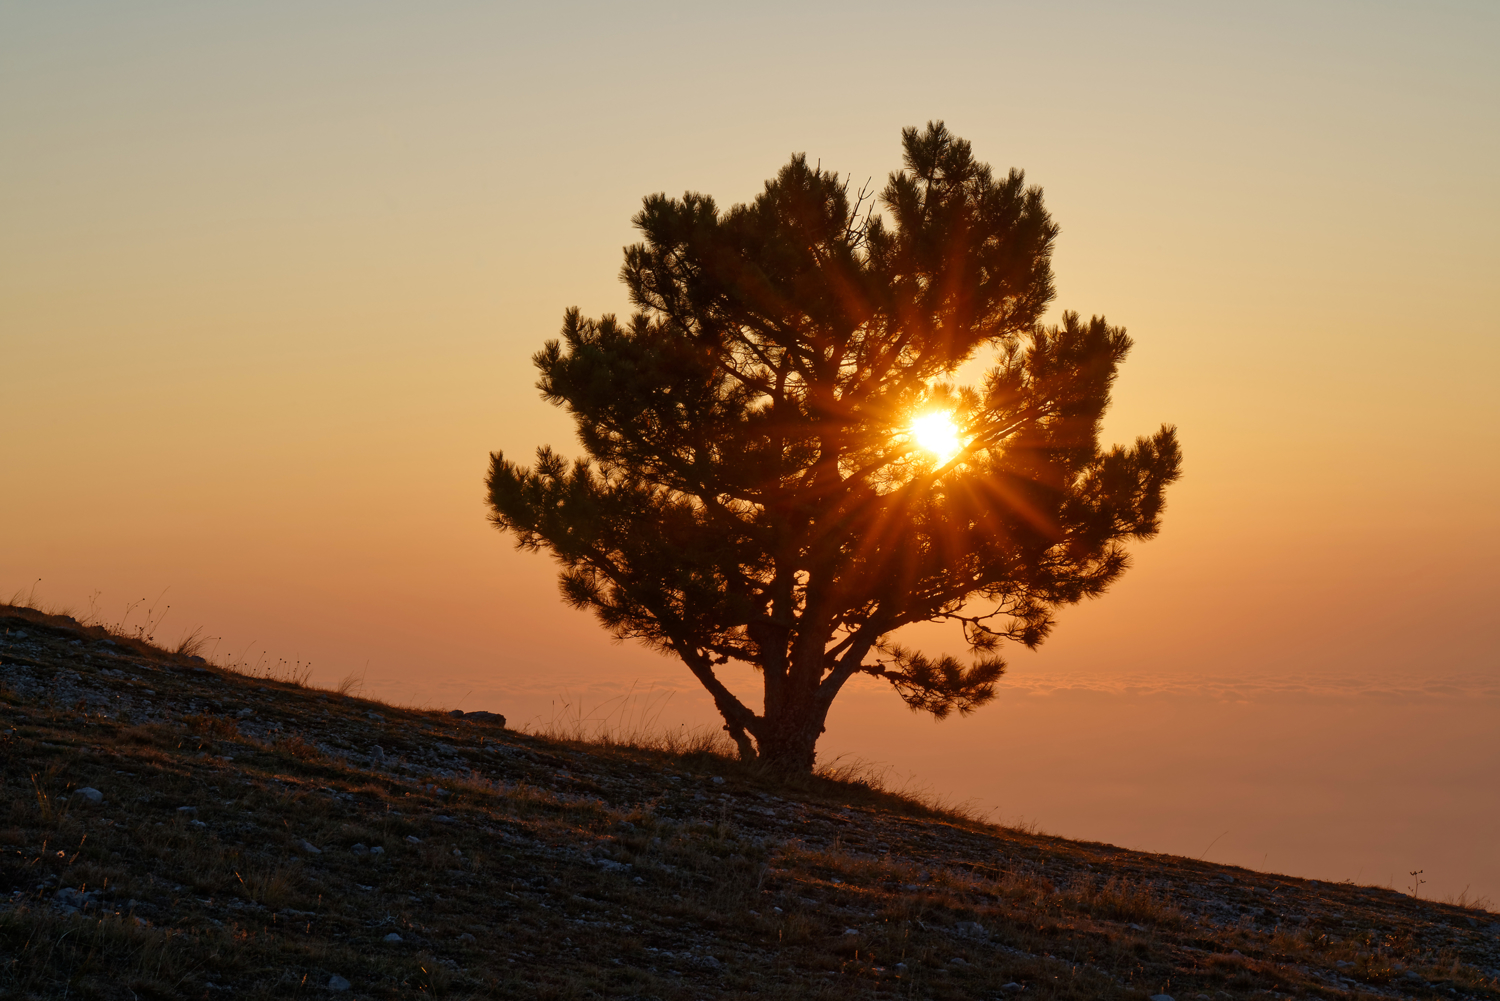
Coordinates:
(782, 469)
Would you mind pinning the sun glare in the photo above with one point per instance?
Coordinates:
(937, 433)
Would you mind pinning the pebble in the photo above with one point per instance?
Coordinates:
(377, 850)
(338, 983)
(466, 937)
(90, 794)
(184, 810)
(413, 839)
(393, 938)
(1012, 988)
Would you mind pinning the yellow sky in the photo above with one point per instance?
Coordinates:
(270, 278)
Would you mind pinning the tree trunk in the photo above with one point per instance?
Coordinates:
(788, 740)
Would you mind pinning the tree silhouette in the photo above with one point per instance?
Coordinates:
(782, 469)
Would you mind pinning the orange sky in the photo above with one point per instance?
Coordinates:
(270, 279)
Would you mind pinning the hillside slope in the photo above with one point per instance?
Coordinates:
(175, 830)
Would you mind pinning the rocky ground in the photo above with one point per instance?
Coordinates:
(172, 829)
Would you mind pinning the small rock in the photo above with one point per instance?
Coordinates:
(466, 937)
(1161, 997)
(70, 897)
(1012, 988)
(717, 780)
(185, 810)
(851, 931)
(457, 713)
(970, 929)
(90, 794)
(485, 716)
(413, 839)
(1136, 927)
(310, 848)
(1343, 964)
(247, 711)
(359, 849)
(393, 938)
(377, 850)
(1225, 877)
(338, 983)
(958, 961)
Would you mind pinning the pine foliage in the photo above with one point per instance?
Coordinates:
(753, 489)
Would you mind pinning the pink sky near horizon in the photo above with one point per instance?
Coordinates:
(270, 281)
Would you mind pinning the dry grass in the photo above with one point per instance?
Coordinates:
(594, 862)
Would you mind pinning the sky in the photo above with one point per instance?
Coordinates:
(271, 275)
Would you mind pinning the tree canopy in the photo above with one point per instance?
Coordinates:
(782, 468)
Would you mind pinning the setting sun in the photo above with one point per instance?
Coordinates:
(937, 433)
